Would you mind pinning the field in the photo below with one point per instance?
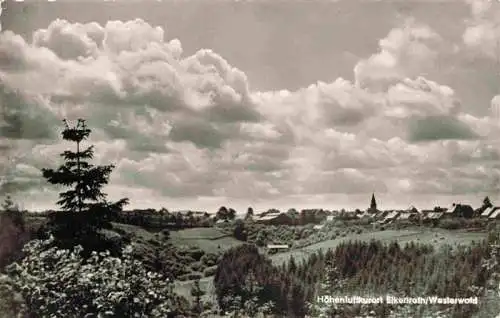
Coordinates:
(210, 240)
(436, 237)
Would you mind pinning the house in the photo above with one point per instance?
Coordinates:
(433, 217)
(489, 211)
(495, 215)
(412, 209)
(460, 210)
(318, 226)
(275, 219)
(277, 246)
(381, 215)
(274, 248)
(365, 215)
(330, 218)
(188, 213)
(270, 211)
(407, 216)
(389, 217)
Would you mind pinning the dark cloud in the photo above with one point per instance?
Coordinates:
(434, 128)
(23, 118)
(202, 133)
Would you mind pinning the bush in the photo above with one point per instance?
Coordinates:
(194, 276)
(60, 283)
(165, 233)
(12, 239)
(197, 266)
(209, 259)
(154, 242)
(196, 254)
(451, 224)
(210, 271)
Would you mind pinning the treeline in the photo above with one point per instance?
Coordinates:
(152, 219)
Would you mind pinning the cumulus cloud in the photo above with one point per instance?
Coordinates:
(407, 51)
(181, 126)
(481, 33)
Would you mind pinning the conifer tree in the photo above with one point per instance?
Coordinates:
(487, 202)
(85, 209)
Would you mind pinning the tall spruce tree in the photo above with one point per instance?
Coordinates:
(85, 209)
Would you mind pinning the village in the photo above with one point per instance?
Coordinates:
(378, 216)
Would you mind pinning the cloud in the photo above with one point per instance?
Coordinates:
(439, 128)
(481, 33)
(24, 117)
(406, 51)
(185, 127)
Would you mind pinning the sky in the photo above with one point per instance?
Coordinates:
(266, 104)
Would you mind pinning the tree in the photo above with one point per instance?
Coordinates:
(242, 275)
(225, 214)
(249, 214)
(239, 232)
(11, 211)
(232, 214)
(222, 213)
(85, 208)
(487, 202)
(196, 292)
(13, 233)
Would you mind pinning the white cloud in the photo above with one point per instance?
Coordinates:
(407, 51)
(188, 127)
(481, 33)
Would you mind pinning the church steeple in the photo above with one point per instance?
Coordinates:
(373, 205)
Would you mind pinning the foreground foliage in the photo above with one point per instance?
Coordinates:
(13, 232)
(61, 283)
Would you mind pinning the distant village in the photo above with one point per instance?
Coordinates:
(187, 218)
(412, 214)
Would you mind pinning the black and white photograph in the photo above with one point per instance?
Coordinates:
(250, 158)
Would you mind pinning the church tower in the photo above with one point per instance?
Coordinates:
(373, 204)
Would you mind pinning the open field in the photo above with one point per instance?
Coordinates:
(209, 240)
(436, 237)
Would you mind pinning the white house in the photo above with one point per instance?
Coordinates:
(486, 213)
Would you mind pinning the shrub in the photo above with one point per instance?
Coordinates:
(451, 224)
(12, 239)
(197, 266)
(210, 271)
(60, 283)
(194, 276)
(154, 242)
(209, 259)
(166, 233)
(196, 253)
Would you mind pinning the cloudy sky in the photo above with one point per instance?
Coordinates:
(268, 104)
